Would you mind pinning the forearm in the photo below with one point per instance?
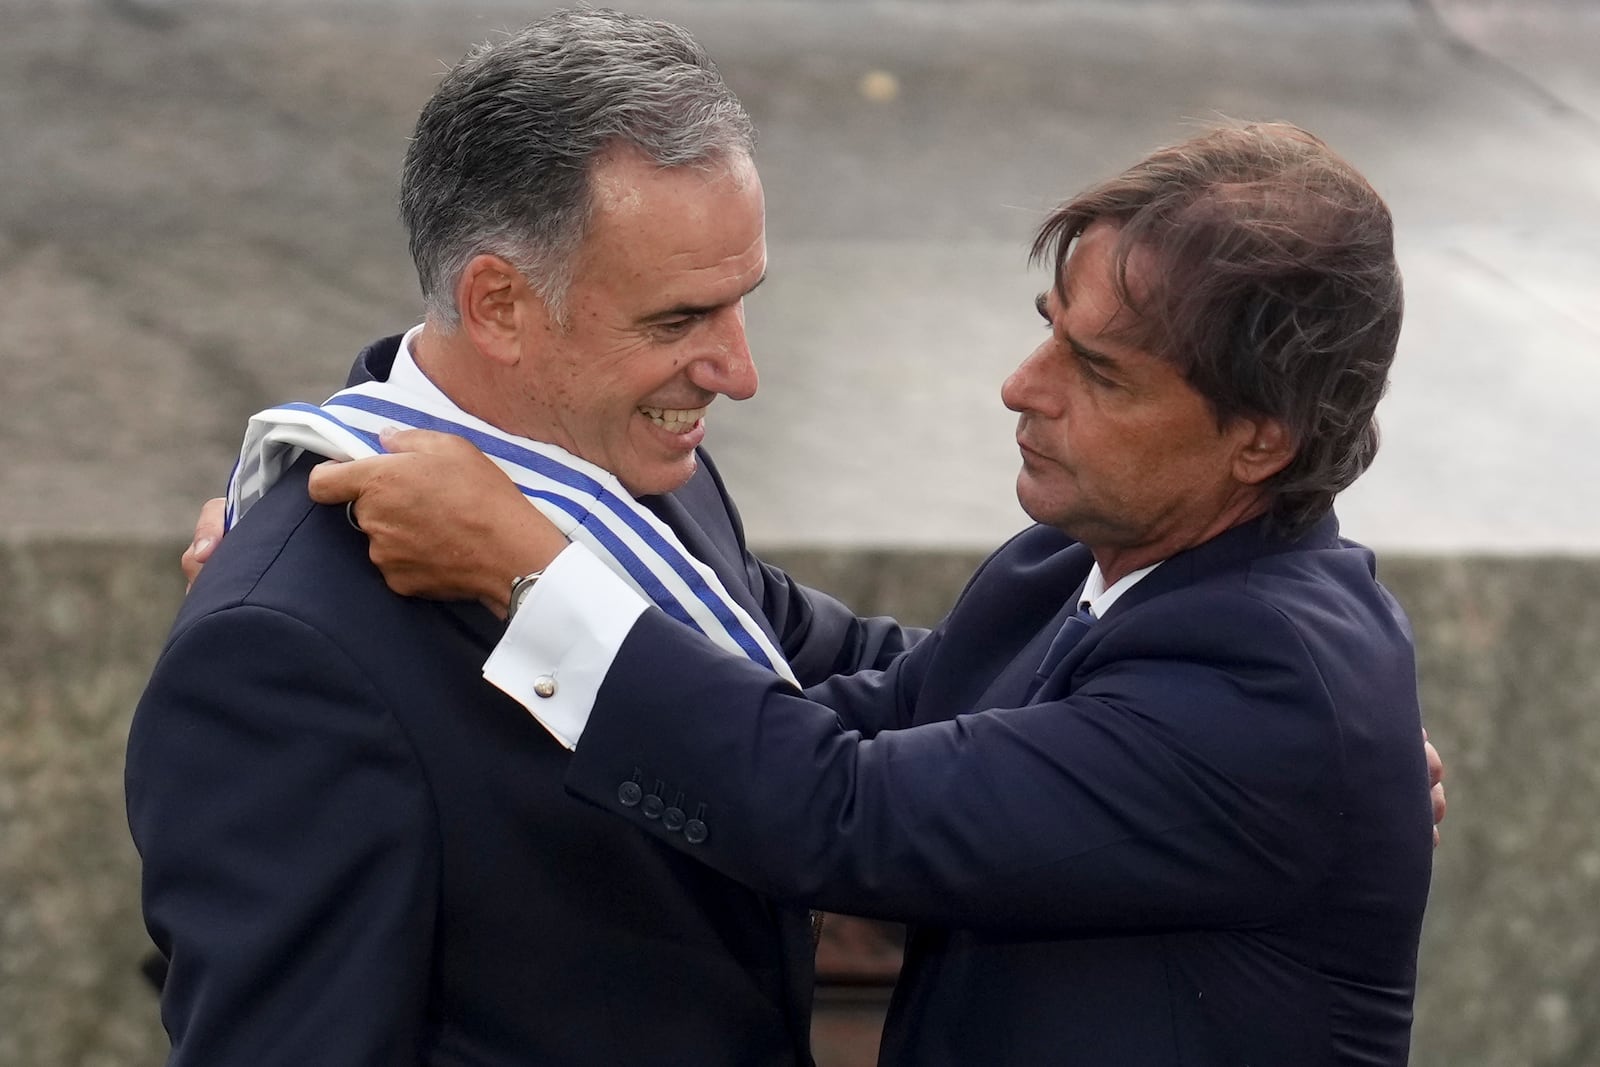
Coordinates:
(1072, 817)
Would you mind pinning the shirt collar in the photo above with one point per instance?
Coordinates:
(407, 375)
(1098, 599)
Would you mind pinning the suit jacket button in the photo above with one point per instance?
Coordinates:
(652, 806)
(673, 819)
(629, 793)
(694, 831)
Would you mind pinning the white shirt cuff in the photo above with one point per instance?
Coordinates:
(560, 643)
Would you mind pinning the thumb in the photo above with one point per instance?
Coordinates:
(339, 483)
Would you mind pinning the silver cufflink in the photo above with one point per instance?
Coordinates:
(544, 686)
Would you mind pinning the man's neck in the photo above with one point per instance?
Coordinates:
(487, 390)
(1118, 561)
(471, 382)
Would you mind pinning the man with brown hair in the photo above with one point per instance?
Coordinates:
(1152, 793)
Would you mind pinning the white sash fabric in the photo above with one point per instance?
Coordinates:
(586, 504)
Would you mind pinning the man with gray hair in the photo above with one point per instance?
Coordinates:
(357, 849)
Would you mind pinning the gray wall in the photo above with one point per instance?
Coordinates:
(1510, 970)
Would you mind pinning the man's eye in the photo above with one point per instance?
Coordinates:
(674, 327)
(1042, 306)
(1088, 372)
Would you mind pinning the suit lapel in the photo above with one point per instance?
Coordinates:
(1055, 588)
(1014, 686)
(682, 511)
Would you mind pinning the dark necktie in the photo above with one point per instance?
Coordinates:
(1072, 631)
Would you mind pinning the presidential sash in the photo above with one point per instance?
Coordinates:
(586, 503)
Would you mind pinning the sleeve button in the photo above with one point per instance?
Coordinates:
(694, 831)
(673, 819)
(629, 793)
(652, 806)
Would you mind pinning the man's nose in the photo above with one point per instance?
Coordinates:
(1024, 388)
(727, 366)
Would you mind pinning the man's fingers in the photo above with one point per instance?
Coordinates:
(339, 483)
(431, 442)
(1435, 784)
(208, 528)
(207, 532)
(191, 561)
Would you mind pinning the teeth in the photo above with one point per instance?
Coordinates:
(674, 420)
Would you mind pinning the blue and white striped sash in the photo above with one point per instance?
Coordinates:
(586, 503)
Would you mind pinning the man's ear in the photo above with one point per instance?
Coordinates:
(1265, 448)
(499, 308)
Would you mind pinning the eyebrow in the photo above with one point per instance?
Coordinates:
(692, 310)
(1100, 360)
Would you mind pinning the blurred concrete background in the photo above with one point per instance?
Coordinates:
(196, 220)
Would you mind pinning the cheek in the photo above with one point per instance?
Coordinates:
(1121, 458)
(1179, 459)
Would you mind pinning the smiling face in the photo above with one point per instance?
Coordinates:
(1118, 449)
(654, 326)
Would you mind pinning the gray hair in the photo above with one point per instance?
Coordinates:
(503, 154)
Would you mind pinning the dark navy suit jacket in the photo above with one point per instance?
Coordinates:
(1204, 841)
(358, 852)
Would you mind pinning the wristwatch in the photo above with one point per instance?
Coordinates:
(520, 588)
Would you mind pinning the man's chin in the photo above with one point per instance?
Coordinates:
(658, 478)
(1031, 495)
(1042, 505)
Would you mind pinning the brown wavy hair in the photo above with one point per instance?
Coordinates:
(1270, 283)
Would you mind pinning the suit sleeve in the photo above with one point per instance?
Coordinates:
(290, 850)
(1182, 783)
